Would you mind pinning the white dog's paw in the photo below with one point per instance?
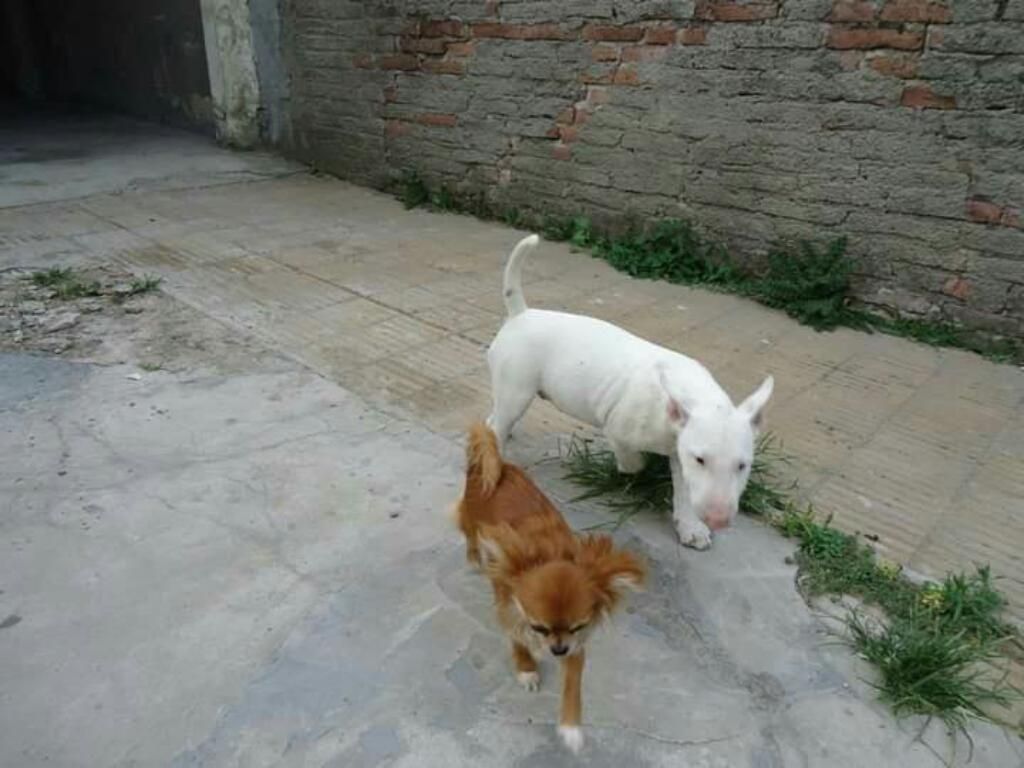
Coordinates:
(572, 735)
(529, 680)
(693, 533)
(628, 462)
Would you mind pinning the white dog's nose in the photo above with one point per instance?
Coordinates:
(718, 518)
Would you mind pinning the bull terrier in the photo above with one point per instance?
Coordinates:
(644, 397)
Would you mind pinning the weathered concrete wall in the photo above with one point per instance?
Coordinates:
(275, 116)
(234, 84)
(141, 57)
(899, 123)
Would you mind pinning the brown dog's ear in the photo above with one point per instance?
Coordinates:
(613, 571)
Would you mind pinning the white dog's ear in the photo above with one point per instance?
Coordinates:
(754, 405)
(678, 409)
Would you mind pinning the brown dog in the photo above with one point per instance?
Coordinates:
(551, 587)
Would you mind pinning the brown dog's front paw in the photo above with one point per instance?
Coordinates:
(572, 736)
(529, 680)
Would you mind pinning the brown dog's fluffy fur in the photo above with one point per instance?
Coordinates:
(551, 586)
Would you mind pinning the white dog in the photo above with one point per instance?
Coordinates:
(644, 397)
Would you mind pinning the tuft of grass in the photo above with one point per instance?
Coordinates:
(412, 190)
(145, 284)
(51, 277)
(929, 669)
(65, 283)
(808, 283)
(650, 489)
(671, 250)
(940, 650)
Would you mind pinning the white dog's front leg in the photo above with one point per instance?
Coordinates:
(692, 532)
(627, 461)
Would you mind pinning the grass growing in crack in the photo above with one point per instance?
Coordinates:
(940, 650)
(412, 190)
(650, 489)
(931, 670)
(143, 285)
(810, 283)
(65, 283)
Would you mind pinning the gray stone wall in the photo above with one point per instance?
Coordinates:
(898, 123)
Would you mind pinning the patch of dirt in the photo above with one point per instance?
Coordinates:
(106, 316)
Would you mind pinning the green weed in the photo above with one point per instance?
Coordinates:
(811, 283)
(65, 283)
(412, 190)
(940, 649)
(145, 284)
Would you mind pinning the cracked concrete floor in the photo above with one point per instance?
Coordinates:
(245, 560)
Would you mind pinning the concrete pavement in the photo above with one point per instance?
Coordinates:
(244, 559)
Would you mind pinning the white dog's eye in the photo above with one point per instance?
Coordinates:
(700, 460)
(742, 466)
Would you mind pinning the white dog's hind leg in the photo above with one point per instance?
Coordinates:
(511, 399)
(629, 462)
(692, 532)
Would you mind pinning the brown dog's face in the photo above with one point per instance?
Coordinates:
(560, 595)
(559, 604)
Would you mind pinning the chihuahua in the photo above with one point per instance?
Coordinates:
(551, 587)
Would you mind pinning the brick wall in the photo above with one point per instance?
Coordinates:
(899, 123)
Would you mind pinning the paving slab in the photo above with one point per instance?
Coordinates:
(198, 561)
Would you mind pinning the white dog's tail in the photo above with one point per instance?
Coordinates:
(512, 290)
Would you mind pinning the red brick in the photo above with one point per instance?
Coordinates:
(895, 65)
(1010, 218)
(936, 36)
(923, 97)
(520, 31)
(432, 45)
(602, 52)
(566, 116)
(626, 75)
(553, 132)
(363, 61)
(613, 34)
(852, 10)
(983, 212)
(728, 10)
(561, 152)
(922, 11)
(444, 66)
(845, 38)
(491, 7)
(957, 287)
(644, 52)
(403, 61)
(396, 128)
(664, 34)
(580, 116)
(597, 96)
(391, 94)
(437, 119)
(693, 35)
(596, 77)
(462, 49)
(443, 28)
(568, 133)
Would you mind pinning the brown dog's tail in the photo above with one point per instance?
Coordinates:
(484, 462)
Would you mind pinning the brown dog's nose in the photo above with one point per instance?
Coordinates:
(559, 650)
